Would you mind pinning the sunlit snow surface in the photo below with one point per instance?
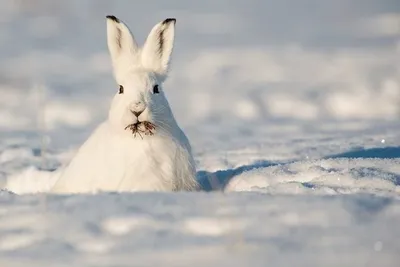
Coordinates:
(242, 229)
(294, 103)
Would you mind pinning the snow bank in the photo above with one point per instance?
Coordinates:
(331, 176)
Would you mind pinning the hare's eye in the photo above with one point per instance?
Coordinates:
(155, 89)
(121, 89)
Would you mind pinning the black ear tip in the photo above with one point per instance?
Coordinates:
(169, 20)
(113, 18)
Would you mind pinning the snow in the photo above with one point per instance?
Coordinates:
(222, 230)
(292, 109)
(323, 177)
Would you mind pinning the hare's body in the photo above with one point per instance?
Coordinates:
(108, 161)
(140, 147)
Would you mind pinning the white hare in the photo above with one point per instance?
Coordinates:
(140, 147)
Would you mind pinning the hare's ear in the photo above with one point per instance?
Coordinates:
(121, 44)
(156, 53)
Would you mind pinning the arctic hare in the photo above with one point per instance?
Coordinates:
(140, 147)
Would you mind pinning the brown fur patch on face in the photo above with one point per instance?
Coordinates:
(139, 128)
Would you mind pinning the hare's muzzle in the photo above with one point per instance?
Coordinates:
(141, 127)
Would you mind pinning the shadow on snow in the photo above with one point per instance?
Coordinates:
(379, 152)
(211, 181)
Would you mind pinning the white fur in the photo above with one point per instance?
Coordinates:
(113, 159)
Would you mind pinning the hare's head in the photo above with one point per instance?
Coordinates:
(139, 106)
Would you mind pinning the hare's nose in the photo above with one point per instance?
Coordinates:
(138, 108)
(137, 113)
